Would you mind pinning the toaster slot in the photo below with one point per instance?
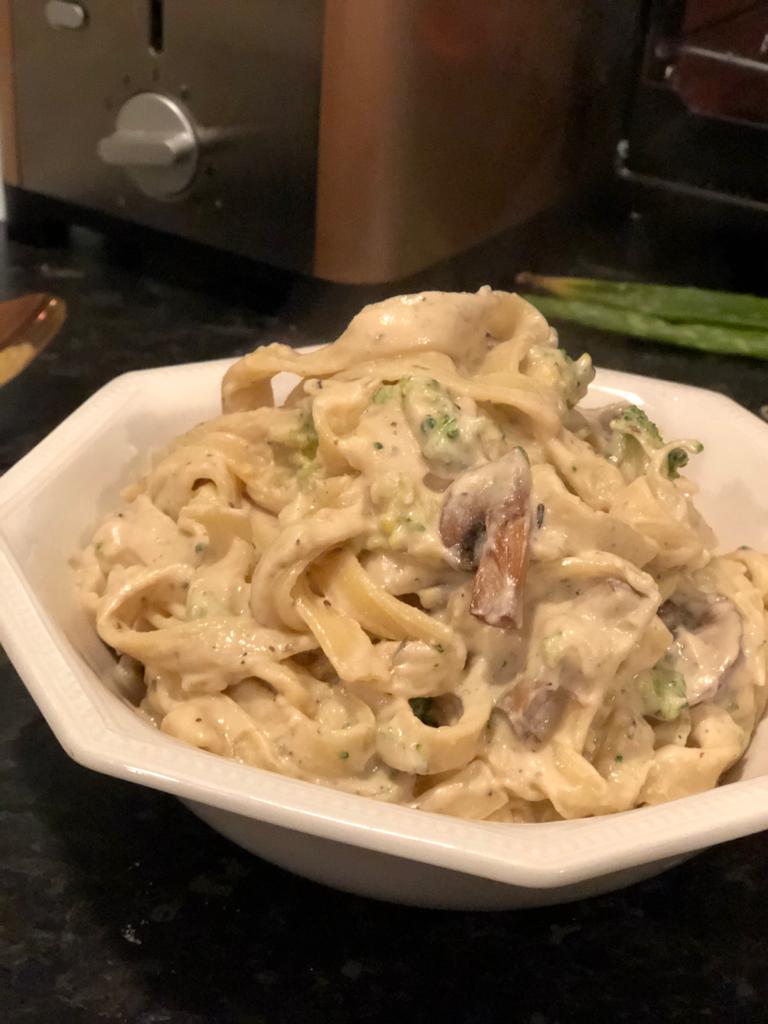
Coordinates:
(156, 25)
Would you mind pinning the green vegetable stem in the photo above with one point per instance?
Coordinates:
(680, 305)
(723, 322)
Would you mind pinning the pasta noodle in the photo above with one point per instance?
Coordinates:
(430, 578)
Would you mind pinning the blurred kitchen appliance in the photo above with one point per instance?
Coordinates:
(357, 140)
(699, 118)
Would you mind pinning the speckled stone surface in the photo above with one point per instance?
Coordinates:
(116, 905)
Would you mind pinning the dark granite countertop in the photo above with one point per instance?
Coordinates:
(117, 905)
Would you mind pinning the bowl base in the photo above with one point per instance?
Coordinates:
(391, 879)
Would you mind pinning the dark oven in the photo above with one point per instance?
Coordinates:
(698, 119)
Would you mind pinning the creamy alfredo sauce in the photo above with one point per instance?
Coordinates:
(429, 578)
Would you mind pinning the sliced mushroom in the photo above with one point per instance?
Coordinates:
(485, 523)
(533, 712)
(707, 642)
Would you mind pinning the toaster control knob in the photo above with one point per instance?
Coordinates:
(155, 142)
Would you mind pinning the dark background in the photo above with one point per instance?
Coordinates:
(117, 905)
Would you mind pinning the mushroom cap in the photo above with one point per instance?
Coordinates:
(485, 524)
(707, 642)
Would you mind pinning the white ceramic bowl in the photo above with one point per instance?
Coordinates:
(49, 504)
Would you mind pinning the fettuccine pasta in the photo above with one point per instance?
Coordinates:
(429, 578)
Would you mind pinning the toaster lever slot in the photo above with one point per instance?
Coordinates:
(156, 25)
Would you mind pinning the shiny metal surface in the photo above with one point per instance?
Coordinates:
(442, 122)
(155, 142)
(248, 74)
(359, 140)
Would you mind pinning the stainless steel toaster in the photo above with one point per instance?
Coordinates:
(356, 140)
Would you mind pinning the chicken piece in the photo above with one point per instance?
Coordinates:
(485, 524)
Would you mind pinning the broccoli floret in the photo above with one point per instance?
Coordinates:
(578, 374)
(663, 692)
(304, 437)
(634, 438)
(443, 426)
(296, 447)
(634, 421)
(434, 418)
(554, 368)
(676, 459)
